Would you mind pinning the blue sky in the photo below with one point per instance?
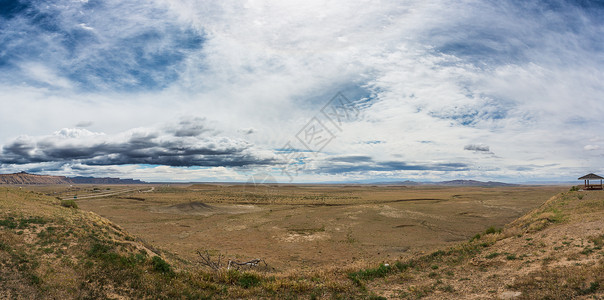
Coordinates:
(306, 91)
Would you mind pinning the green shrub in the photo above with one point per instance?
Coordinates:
(13, 223)
(403, 266)
(97, 250)
(367, 274)
(69, 203)
(597, 240)
(248, 280)
(161, 265)
(9, 223)
(593, 287)
(35, 279)
(492, 230)
(32, 220)
(476, 237)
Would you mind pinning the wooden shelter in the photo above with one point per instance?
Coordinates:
(592, 176)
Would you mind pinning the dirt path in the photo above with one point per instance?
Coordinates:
(113, 193)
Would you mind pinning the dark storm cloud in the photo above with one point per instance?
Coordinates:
(351, 158)
(185, 146)
(358, 163)
(190, 127)
(18, 152)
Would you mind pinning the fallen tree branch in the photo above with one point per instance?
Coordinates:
(251, 263)
(217, 263)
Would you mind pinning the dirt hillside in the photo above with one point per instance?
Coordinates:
(553, 252)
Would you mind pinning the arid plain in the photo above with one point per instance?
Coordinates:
(298, 227)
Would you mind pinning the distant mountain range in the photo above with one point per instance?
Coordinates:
(474, 183)
(451, 183)
(26, 178)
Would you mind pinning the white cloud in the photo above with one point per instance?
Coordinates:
(44, 74)
(77, 133)
(591, 147)
(85, 26)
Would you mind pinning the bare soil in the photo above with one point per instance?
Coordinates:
(305, 227)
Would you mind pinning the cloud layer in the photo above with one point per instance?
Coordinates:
(93, 45)
(184, 145)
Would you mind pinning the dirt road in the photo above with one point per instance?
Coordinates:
(107, 194)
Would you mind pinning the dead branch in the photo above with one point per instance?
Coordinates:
(206, 260)
(217, 262)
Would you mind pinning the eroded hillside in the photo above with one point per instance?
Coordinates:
(25, 178)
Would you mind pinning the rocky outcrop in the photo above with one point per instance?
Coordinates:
(26, 178)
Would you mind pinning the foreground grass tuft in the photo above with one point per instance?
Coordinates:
(369, 274)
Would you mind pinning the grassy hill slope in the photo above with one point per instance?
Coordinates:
(553, 252)
(50, 249)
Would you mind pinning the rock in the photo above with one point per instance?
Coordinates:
(509, 295)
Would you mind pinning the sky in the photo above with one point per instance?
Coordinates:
(303, 91)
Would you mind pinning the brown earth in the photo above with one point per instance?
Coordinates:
(305, 227)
